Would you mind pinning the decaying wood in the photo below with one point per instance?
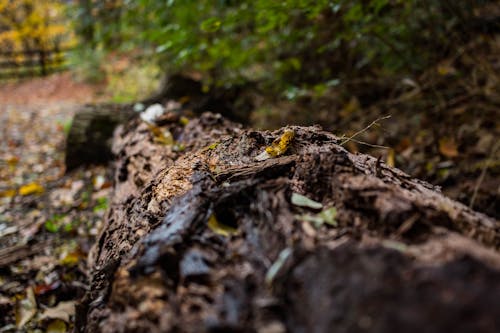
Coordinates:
(89, 139)
(401, 257)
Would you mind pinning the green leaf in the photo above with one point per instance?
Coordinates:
(210, 25)
(51, 226)
(303, 201)
(102, 204)
(326, 216)
(273, 271)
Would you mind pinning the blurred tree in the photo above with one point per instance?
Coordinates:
(32, 25)
(285, 43)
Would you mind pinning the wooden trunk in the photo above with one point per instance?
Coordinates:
(202, 237)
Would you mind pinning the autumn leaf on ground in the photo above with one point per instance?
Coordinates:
(220, 228)
(278, 147)
(26, 309)
(8, 193)
(62, 311)
(448, 147)
(391, 160)
(31, 188)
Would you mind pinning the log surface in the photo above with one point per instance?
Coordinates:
(400, 257)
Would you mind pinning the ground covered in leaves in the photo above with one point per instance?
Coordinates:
(48, 220)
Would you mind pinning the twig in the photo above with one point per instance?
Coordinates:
(375, 122)
(369, 144)
(483, 174)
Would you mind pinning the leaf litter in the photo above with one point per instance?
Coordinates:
(48, 220)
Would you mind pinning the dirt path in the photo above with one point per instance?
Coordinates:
(47, 220)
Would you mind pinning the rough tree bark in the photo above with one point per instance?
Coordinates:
(202, 237)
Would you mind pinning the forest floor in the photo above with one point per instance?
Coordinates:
(49, 219)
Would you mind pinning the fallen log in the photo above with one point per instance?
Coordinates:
(204, 235)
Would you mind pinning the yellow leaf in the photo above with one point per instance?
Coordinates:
(448, 147)
(71, 259)
(219, 228)
(56, 326)
(390, 158)
(8, 193)
(162, 136)
(31, 188)
(446, 69)
(278, 147)
(12, 161)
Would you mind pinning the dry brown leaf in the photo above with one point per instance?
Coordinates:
(26, 309)
(448, 147)
(61, 311)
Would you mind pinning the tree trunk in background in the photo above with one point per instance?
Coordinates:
(85, 27)
(89, 139)
(200, 236)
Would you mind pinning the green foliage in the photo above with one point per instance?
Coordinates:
(135, 82)
(54, 223)
(87, 64)
(101, 204)
(290, 43)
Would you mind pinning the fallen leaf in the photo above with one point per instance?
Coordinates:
(278, 147)
(303, 201)
(390, 158)
(71, 259)
(326, 216)
(273, 271)
(446, 69)
(26, 309)
(183, 121)
(42, 289)
(56, 326)
(7, 230)
(448, 147)
(220, 228)
(8, 193)
(31, 188)
(62, 311)
(12, 161)
(162, 136)
(211, 147)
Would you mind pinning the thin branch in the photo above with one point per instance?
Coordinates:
(375, 122)
(369, 144)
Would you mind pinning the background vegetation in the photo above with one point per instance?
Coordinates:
(282, 44)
